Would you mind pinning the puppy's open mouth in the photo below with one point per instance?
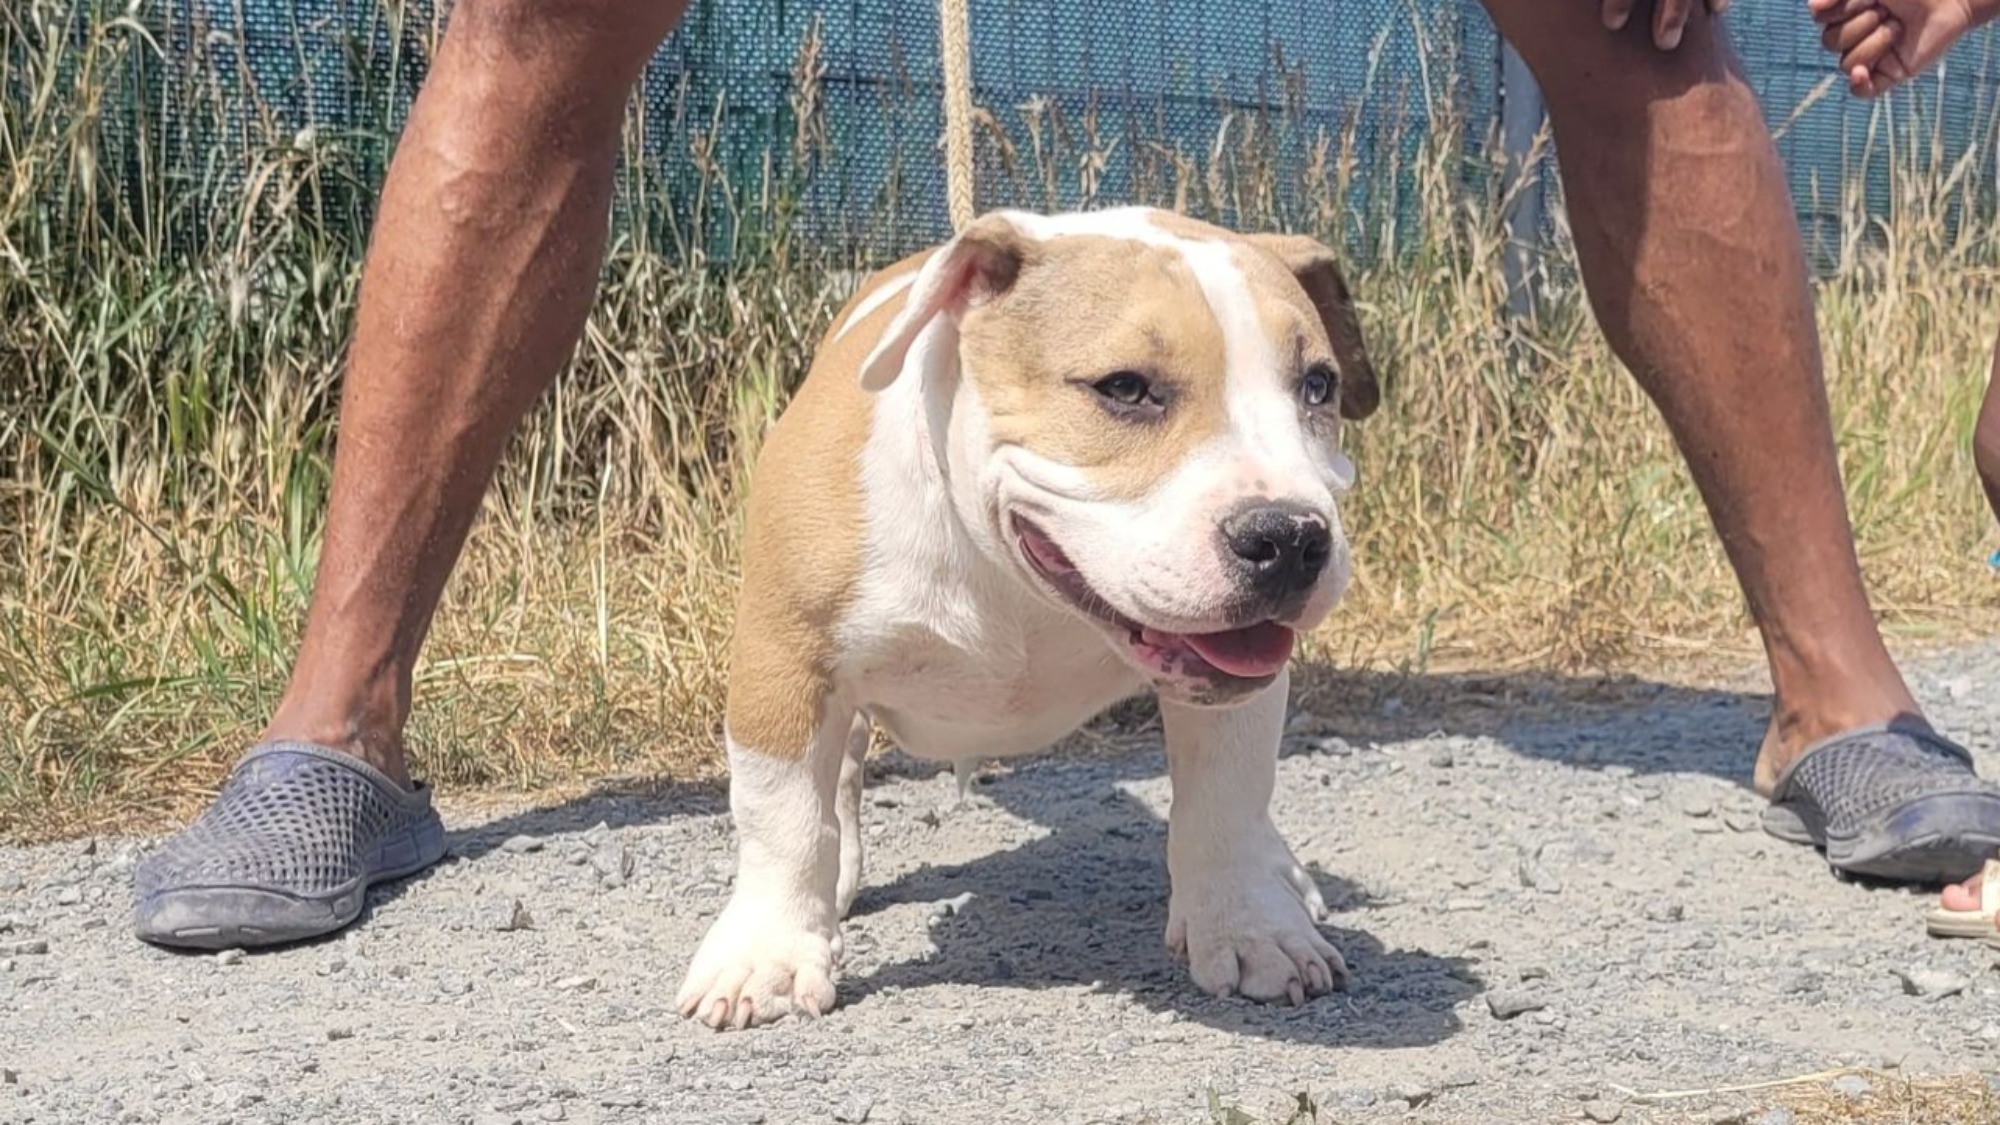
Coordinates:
(1254, 652)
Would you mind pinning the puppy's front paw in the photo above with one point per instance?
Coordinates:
(1252, 933)
(756, 967)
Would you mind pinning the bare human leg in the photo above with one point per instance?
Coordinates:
(1691, 255)
(482, 265)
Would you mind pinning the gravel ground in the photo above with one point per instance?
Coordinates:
(1538, 912)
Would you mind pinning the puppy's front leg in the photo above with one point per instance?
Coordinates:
(775, 947)
(1243, 911)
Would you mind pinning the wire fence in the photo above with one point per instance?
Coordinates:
(825, 117)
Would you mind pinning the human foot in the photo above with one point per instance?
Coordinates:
(1894, 801)
(287, 851)
(1970, 909)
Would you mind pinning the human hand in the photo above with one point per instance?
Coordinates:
(1883, 43)
(1669, 17)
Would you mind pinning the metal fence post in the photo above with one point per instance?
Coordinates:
(1520, 120)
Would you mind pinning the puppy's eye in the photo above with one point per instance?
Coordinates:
(1317, 386)
(1126, 388)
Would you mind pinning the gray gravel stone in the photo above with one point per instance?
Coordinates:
(512, 915)
(1932, 984)
(1059, 1003)
(1412, 1094)
(1506, 1003)
(855, 1111)
(230, 957)
(1851, 1086)
(31, 947)
(612, 862)
(1603, 1111)
(1776, 1116)
(522, 845)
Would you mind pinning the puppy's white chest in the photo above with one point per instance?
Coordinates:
(1001, 684)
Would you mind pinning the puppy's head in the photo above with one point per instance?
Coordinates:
(1143, 417)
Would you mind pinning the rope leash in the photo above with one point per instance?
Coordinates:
(955, 51)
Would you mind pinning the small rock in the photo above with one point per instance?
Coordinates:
(230, 957)
(1851, 1086)
(1707, 828)
(1665, 912)
(1463, 905)
(1698, 806)
(89, 848)
(1603, 1111)
(612, 862)
(1506, 1003)
(577, 984)
(1441, 758)
(1778, 1116)
(1741, 822)
(1727, 1115)
(34, 947)
(551, 1112)
(9, 1077)
(1534, 876)
(336, 1034)
(1413, 1094)
(1803, 982)
(1533, 972)
(513, 916)
(951, 906)
(522, 845)
(1932, 984)
(7, 923)
(69, 896)
(1356, 1097)
(1459, 1080)
(11, 883)
(856, 1111)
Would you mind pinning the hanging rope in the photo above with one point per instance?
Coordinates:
(956, 54)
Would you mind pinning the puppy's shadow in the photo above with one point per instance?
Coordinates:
(1086, 905)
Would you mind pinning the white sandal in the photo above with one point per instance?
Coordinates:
(1977, 924)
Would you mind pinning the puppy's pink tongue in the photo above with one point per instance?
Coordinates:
(1260, 650)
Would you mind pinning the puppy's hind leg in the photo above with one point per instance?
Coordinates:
(776, 946)
(852, 779)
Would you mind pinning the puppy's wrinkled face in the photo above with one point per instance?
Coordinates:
(1146, 424)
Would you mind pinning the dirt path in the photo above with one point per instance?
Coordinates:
(1603, 870)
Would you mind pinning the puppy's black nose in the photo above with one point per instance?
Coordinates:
(1281, 548)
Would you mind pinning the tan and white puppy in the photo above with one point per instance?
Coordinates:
(1051, 464)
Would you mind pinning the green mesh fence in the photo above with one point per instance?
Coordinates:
(824, 117)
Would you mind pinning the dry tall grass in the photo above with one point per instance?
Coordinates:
(169, 359)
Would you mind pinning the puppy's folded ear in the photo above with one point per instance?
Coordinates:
(979, 264)
(1318, 269)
